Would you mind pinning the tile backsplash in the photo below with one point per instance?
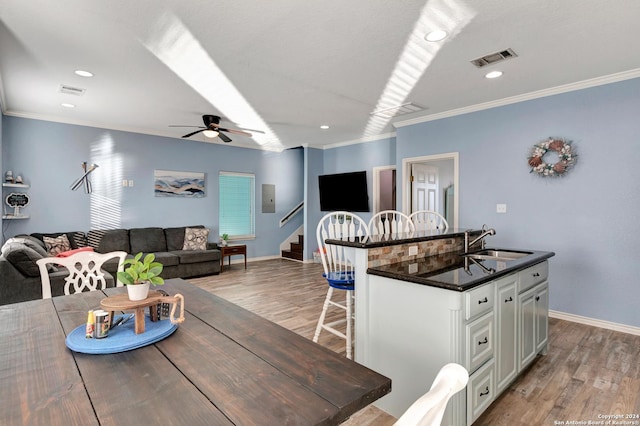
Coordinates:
(388, 255)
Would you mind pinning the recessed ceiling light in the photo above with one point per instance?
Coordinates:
(83, 73)
(68, 105)
(324, 127)
(493, 74)
(436, 35)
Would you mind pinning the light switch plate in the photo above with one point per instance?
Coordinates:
(501, 208)
(413, 250)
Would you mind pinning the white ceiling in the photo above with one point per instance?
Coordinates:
(294, 65)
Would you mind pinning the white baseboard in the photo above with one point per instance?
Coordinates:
(596, 322)
(249, 259)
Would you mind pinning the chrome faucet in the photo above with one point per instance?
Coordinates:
(485, 232)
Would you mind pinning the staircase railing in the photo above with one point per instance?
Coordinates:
(297, 209)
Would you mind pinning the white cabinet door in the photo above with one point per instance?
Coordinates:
(534, 317)
(527, 338)
(542, 316)
(507, 327)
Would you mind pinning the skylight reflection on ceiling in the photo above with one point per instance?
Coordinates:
(183, 54)
(416, 56)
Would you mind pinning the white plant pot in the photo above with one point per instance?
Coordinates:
(138, 291)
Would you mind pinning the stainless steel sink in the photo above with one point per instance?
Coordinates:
(500, 255)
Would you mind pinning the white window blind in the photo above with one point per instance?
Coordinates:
(237, 204)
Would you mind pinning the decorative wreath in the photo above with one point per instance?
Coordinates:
(566, 157)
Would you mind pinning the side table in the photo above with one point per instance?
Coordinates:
(239, 249)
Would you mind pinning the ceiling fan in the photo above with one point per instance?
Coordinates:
(212, 129)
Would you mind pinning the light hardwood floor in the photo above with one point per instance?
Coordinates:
(588, 372)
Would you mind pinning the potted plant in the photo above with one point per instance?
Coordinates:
(140, 274)
(224, 240)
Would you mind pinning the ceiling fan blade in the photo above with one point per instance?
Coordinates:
(193, 133)
(224, 137)
(238, 132)
(251, 130)
(179, 125)
(234, 131)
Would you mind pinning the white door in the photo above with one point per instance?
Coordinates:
(425, 191)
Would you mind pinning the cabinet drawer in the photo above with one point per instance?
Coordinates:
(478, 301)
(532, 276)
(480, 391)
(480, 342)
(234, 250)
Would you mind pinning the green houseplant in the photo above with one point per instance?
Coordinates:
(139, 274)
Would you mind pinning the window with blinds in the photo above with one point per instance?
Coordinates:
(237, 204)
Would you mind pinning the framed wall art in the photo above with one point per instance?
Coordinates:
(169, 183)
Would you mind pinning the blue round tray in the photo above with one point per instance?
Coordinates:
(122, 338)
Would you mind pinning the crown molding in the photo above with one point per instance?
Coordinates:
(579, 85)
(373, 138)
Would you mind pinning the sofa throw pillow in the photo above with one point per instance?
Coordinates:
(73, 251)
(22, 258)
(195, 239)
(31, 243)
(57, 245)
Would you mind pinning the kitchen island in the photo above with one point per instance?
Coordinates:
(421, 303)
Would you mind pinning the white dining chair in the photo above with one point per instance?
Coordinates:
(338, 269)
(429, 409)
(390, 222)
(428, 220)
(85, 271)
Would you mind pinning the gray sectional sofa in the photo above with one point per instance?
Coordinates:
(20, 276)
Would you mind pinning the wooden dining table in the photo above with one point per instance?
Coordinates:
(224, 365)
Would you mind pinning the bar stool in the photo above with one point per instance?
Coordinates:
(391, 223)
(428, 220)
(338, 269)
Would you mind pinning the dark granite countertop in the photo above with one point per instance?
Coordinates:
(453, 271)
(374, 241)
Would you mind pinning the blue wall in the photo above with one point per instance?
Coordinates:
(48, 155)
(588, 217)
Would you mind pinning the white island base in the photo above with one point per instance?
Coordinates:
(408, 331)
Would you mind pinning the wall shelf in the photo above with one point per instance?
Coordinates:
(20, 199)
(15, 185)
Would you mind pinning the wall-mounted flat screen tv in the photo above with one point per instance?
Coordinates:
(344, 191)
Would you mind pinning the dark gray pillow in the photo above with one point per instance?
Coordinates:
(22, 258)
(108, 240)
(32, 243)
(147, 240)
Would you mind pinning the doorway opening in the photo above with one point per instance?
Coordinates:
(432, 183)
(384, 188)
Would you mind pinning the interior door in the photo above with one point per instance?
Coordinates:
(425, 188)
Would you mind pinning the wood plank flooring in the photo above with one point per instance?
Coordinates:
(588, 371)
